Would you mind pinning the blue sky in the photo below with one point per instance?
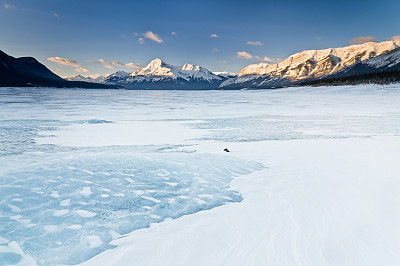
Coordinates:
(100, 37)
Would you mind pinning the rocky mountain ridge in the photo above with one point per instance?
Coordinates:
(307, 65)
(317, 63)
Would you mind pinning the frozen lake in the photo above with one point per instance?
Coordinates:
(79, 168)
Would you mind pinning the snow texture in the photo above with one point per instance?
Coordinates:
(311, 177)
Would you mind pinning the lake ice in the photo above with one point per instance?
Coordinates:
(78, 168)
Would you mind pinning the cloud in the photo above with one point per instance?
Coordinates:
(244, 55)
(268, 59)
(214, 35)
(133, 66)
(362, 39)
(106, 64)
(174, 33)
(67, 62)
(153, 36)
(215, 50)
(63, 61)
(141, 40)
(8, 6)
(56, 15)
(222, 62)
(114, 64)
(81, 70)
(395, 38)
(256, 43)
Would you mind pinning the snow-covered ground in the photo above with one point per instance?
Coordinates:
(314, 170)
(320, 202)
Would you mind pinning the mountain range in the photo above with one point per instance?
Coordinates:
(310, 67)
(160, 75)
(313, 64)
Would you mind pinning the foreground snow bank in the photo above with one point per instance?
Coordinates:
(320, 202)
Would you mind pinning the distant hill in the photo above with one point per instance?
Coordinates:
(98, 79)
(28, 72)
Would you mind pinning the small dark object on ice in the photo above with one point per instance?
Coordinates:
(226, 150)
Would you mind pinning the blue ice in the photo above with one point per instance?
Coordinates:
(68, 208)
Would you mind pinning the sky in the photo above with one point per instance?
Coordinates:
(100, 37)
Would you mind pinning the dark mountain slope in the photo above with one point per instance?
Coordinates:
(28, 72)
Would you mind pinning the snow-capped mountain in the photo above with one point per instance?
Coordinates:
(99, 79)
(380, 64)
(311, 64)
(317, 63)
(160, 75)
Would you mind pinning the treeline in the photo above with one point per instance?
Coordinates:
(384, 77)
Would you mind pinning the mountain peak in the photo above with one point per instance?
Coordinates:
(155, 63)
(155, 68)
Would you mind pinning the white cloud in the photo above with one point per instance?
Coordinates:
(214, 35)
(141, 40)
(153, 36)
(222, 62)
(106, 64)
(8, 6)
(396, 38)
(67, 62)
(268, 59)
(256, 43)
(174, 33)
(63, 61)
(215, 50)
(81, 70)
(362, 39)
(244, 55)
(136, 34)
(56, 15)
(114, 64)
(133, 66)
